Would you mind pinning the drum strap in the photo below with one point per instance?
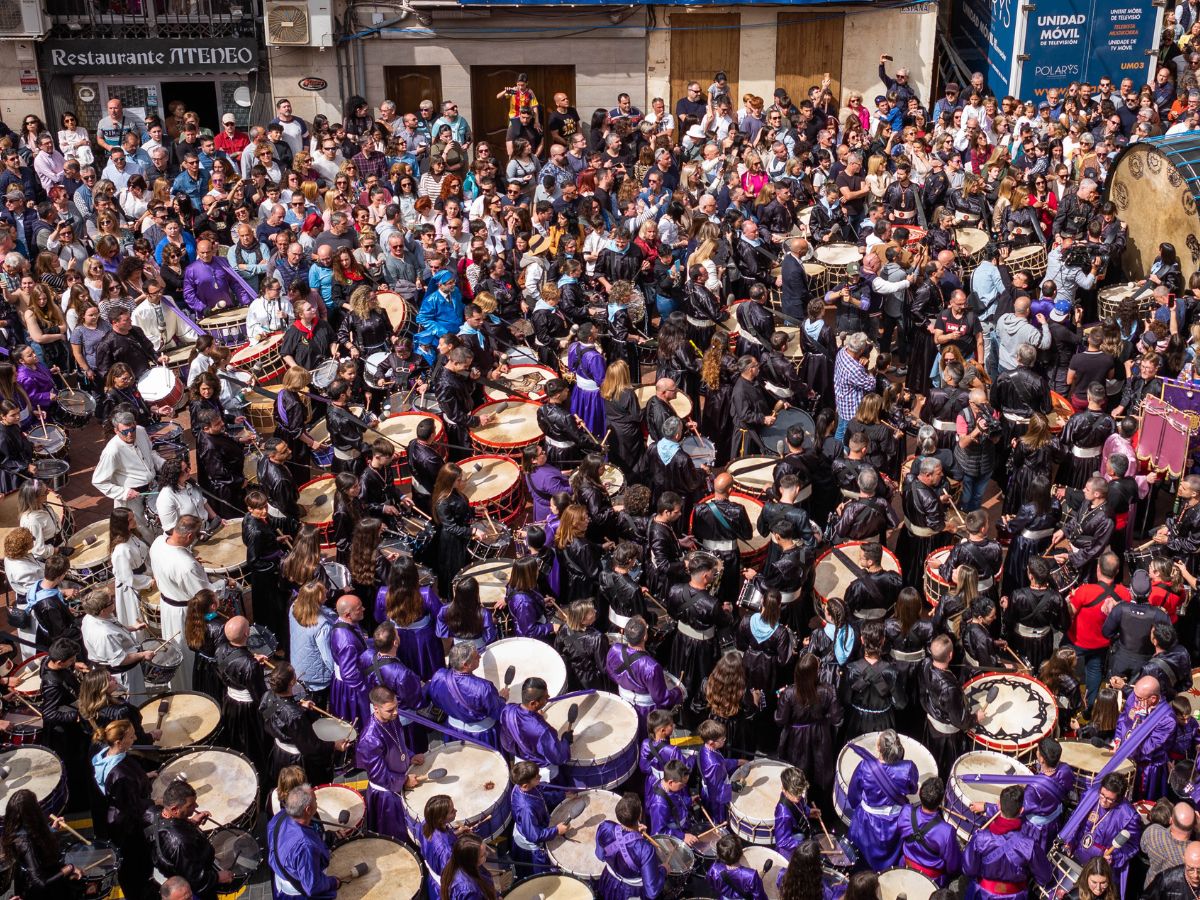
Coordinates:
(1106, 591)
(879, 773)
(720, 517)
(862, 578)
(671, 807)
(629, 659)
(918, 834)
(277, 863)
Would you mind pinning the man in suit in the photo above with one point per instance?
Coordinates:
(793, 280)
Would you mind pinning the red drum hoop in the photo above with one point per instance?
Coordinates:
(506, 504)
(489, 438)
(1022, 744)
(401, 428)
(262, 359)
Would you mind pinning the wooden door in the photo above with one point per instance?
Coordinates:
(702, 45)
(407, 86)
(809, 45)
(490, 116)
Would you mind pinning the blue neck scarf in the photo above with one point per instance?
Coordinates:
(102, 764)
(667, 449)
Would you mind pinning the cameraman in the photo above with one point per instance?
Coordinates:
(1072, 268)
(978, 427)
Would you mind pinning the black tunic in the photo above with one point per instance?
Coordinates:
(626, 443)
(424, 462)
(280, 487)
(862, 519)
(1084, 431)
(943, 701)
(692, 658)
(264, 553)
(664, 558)
(579, 571)
(1029, 611)
(806, 733)
(584, 653)
(873, 592)
(718, 526)
(286, 722)
(16, 453)
(566, 441)
(454, 516)
(221, 471)
(180, 848)
(308, 352)
(922, 508)
(869, 694)
(127, 811)
(749, 404)
(31, 879)
(242, 727)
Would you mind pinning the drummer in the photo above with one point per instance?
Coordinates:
(345, 432)
(425, 460)
(792, 825)
(729, 878)
(668, 803)
(531, 820)
(877, 795)
(984, 555)
(1000, 860)
(718, 525)
(290, 724)
(180, 577)
(472, 704)
(383, 754)
(525, 734)
(308, 340)
(632, 868)
(270, 312)
(378, 494)
(126, 344)
(454, 389)
(567, 438)
(874, 589)
(128, 467)
(296, 853)
(277, 480)
(111, 644)
(178, 846)
(928, 843)
(639, 677)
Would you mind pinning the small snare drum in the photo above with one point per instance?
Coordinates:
(937, 588)
(262, 360)
(227, 327)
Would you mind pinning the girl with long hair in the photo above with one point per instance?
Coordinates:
(1096, 881)
(33, 850)
(525, 602)
(730, 699)
(908, 633)
(102, 700)
(369, 566)
(948, 617)
(291, 413)
(38, 516)
(718, 373)
(623, 414)
(413, 608)
(310, 624)
(464, 620)
(465, 877)
(203, 631)
(590, 491)
(1036, 451)
(1030, 528)
(543, 479)
(303, 564)
(437, 837)
(883, 446)
(578, 558)
(834, 640)
(454, 518)
(802, 880)
(808, 717)
(1058, 674)
(46, 326)
(768, 647)
(130, 555)
(348, 511)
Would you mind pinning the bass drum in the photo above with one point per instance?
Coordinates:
(774, 437)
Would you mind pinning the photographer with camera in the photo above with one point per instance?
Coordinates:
(1072, 267)
(978, 427)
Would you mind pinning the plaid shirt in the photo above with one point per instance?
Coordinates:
(371, 162)
(851, 382)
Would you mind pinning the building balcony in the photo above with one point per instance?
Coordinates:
(152, 18)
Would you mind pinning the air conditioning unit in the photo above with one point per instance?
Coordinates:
(22, 18)
(298, 23)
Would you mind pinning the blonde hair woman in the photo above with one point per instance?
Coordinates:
(878, 177)
(708, 237)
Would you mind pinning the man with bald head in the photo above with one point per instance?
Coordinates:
(659, 409)
(1181, 882)
(242, 674)
(348, 693)
(210, 285)
(1164, 845)
(718, 525)
(1153, 738)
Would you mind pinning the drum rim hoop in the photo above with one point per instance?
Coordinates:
(1019, 745)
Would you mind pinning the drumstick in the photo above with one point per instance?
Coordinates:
(36, 711)
(989, 821)
(325, 713)
(62, 823)
(579, 421)
(1020, 662)
(101, 861)
(162, 643)
(704, 810)
(164, 706)
(711, 830)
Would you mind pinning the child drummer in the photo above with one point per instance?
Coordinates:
(715, 769)
(668, 803)
(793, 812)
(657, 750)
(531, 820)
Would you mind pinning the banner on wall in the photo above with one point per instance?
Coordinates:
(984, 35)
(1081, 40)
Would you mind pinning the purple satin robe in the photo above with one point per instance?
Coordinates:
(207, 284)
(1044, 797)
(873, 828)
(435, 850)
(791, 829)
(1100, 828)
(586, 402)
(348, 693)
(406, 685)
(383, 754)
(470, 699)
(735, 882)
(38, 383)
(653, 755)
(419, 647)
(1151, 755)
(627, 855)
(528, 610)
(715, 790)
(938, 852)
(543, 483)
(1013, 858)
(669, 813)
(645, 677)
(531, 818)
(526, 735)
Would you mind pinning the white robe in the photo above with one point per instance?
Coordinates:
(108, 642)
(122, 466)
(126, 557)
(23, 574)
(44, 526)
(171, 330)
(173, 503)
(180, 577)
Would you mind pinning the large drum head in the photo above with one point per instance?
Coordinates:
(476, 778)
(606, 725)
(756, 858)
(33, 768)
(529, 658)
(524, 379)
(681, 404)
(89, 546)
(1087, 759)
(755, 803)
(402, 427)
(752, 474)
(395, 307)
(226, 783)
(492, 575)
(157, 384)
(978, 762)
(517, 425)
(545, 887)
(393, 870)
(1024, 711)
(187, 718)
(971, 240)
(224, 548)
(575, 851)
(336, 800)
(839, 254)
(317, 496)
(488, 478)
(253, 351)
(896, 883)
(833, 577)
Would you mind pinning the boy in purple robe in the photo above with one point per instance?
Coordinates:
(383, 754)
(1111, 815)
(668, 803)
(729, 878)
(1046, 793)
(525, 735)
(638, 675)
(1151, 754)
(631, 866)
(657, 750)
(879, 790)
(381, 667)
(531, 820)
(1000, 861)
(472, 704)
(348, 693)
(543, 480)
(585, 360)
(928, 843)
(715, 769)
(793, 811)
(1187, 731)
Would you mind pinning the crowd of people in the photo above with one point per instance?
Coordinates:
(896, 314)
